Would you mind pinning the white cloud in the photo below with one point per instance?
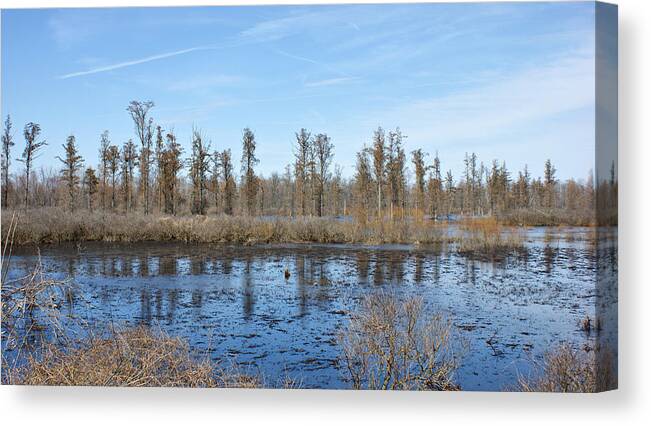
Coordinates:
(494, 108)
(133, 62)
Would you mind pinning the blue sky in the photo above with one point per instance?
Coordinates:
(506, 80)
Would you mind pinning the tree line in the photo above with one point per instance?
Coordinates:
(153, 175)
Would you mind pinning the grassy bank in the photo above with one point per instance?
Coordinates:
(479, 237)
(550, 217)
(131, 357)
(43, 226)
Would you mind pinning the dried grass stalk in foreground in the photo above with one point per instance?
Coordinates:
(566, 369)
(30, 305)
(130, 357)
(390, 344)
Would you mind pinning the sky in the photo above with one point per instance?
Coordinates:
(509, 81)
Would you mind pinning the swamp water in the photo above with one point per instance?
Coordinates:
(234, 302)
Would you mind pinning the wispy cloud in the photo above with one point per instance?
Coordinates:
(134, 62)
(313, 61)
(329, 82)
(202, 82)
(489, 110)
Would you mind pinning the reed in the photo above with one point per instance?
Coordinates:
(488, 238)
(43, 226)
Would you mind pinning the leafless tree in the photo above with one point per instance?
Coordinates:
(72, 163)
(302, 166)
(32, 147)
(7, 143)
(324, 150)
(199, 167)
(113, 165)
(144, 128)
(90, 183)
(379, 158)
(129, 164)
(103, 156)
(249, 179)
(418, 159)
(226, 167)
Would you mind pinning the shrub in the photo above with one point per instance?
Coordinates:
(395, 345)
(566, 369)
(129, 357)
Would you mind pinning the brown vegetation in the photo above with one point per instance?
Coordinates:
(149, 178)
(44, 226)
(566, 369)
(549, 217)
(129, 357)
(395, 345)
(486, 237)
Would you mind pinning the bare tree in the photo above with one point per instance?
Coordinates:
(72, 164)
(7, 143)
(226, 167)
(396, 171)
(199, 166)
(172, 165)
(144, 128)
(160, 145)
(435, 188)
(129, 163)
(418, 159)
(379, 157)
(32, 147)
(103, 156)
(363, 185)
(113, 164)
(550, 184)
(91, 183)
(302, 166)
(249, 179)
(324, 150)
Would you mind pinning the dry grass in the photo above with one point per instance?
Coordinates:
(549, 217)
(486, 237)
(570, 370)
(395, 345)
(42, 226)
(131, 357)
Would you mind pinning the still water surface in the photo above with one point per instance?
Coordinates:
(235, 302)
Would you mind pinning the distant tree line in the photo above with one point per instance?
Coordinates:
(155, 175)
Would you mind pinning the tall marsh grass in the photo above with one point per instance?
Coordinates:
(486, 237)
(42, 226)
